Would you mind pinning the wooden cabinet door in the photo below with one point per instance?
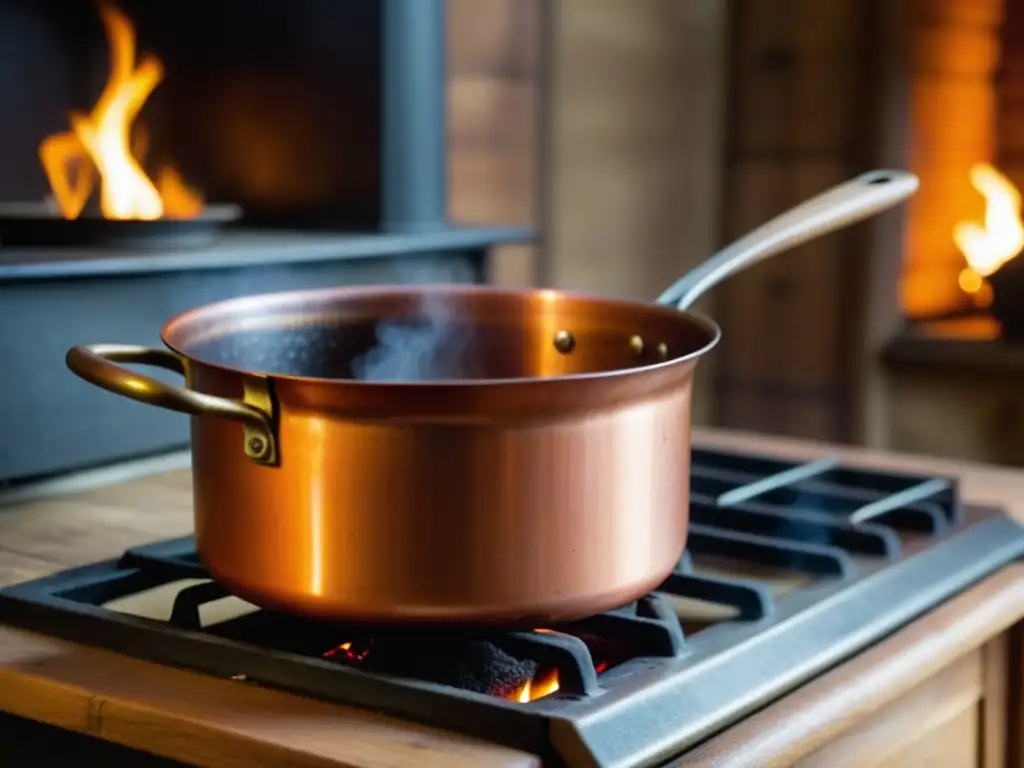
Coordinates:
(955, 719)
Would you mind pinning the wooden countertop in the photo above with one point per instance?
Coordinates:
(204, 721)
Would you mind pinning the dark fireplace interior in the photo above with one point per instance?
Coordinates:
(965, 231)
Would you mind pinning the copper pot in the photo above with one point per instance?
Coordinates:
(529, 467)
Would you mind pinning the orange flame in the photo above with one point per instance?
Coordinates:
(538, 688)
(100, 142)
(986, 247)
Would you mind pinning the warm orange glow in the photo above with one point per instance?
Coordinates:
(348, 652)
(100, 144)
(986, 247)
(538, 688)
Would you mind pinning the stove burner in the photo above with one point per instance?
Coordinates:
(470, 665)
(39, 225)
(790, 568)
(492, 662)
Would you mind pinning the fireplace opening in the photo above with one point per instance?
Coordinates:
(329, 116)
(100, 190)
(961, 274)
(278, 113)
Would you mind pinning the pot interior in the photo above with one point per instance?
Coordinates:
(435, 334)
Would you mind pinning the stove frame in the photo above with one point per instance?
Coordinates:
(677, 691)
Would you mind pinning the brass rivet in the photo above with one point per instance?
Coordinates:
(663, 351)
(637, 345)
(257, 446)
(564, 342)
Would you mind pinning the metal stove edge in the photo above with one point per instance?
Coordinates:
(712, 693)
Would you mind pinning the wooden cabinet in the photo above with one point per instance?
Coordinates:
(955, 719)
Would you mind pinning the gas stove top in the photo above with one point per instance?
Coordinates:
(790, 568)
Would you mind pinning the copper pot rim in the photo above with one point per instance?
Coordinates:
(177, 326)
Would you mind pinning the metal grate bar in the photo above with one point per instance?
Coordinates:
(778, 480)
(655, 635)
(185, 613)
(685, 564)
(811, 527)
(814, 559)
(568, 654)
(919, 492)
(751, 599)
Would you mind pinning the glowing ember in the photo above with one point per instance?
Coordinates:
(986, 247)
(100, 143)
(348, 652)
(538, 688)
(468, 664)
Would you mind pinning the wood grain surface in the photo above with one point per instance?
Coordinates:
(209, 722)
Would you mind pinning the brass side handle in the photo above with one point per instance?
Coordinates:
(98, 364)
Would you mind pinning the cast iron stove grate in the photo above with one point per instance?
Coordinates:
(874, 549)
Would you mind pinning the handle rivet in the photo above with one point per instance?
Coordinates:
(663, 351)
(257, 446)
(637, 345)
(564, 342)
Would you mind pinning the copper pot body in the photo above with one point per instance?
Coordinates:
(539, 473)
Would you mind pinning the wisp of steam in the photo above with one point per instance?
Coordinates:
(430, 347)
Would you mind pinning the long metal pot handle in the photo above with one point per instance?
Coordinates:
(845, 204)
(98, 364)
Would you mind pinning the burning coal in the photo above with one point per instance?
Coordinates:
(467, 664)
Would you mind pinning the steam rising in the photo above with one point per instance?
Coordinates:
(429, 347)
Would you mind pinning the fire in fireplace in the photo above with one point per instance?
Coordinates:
(105, 150)
(965, 229)
(101, 143)
(988, 245)
(993, 277)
